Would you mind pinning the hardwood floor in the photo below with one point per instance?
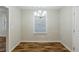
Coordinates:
(2, 44)
(40, 47)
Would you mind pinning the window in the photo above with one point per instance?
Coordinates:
(40, 20)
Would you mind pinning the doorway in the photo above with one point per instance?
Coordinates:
(3, 29)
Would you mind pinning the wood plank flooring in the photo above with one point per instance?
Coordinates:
(40, 47)
(2, 44)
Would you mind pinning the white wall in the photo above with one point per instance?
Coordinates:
(27, 27)
(66, 17)
(3, 21)
(14, 27)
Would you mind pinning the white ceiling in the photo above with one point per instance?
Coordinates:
(40, 7)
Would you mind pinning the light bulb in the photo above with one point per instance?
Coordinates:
(38, 14)
(39, 11)
(35, 13)
(44, 13)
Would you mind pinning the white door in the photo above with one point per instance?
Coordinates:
(76, 30)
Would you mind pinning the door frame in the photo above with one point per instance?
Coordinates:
(7, 28)
(74, 29)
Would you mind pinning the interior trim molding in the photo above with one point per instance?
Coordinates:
(14, 46)
(66, 47)
(40, 41)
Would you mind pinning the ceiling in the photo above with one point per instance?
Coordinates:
(40, 7)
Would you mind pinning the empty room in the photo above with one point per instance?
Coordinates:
(39, 29)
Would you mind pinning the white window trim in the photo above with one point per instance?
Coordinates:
(34, 25)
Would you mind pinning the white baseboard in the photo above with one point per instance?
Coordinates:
(66, 46)
(40, 41)
(14, 46)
